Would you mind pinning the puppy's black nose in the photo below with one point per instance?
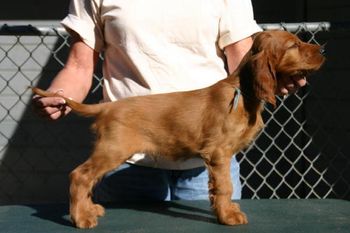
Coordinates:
(322, 49)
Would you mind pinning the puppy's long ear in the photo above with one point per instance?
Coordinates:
(258, 74)
(264, 76)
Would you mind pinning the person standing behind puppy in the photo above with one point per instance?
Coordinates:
(150, 47)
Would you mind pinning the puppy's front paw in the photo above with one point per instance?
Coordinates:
(233, 216)
(85, 223)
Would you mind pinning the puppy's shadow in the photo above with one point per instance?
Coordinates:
(59, 213)
(192, 210)
(56, 213)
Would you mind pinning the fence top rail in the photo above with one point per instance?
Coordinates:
(295, 27)
(53, 28)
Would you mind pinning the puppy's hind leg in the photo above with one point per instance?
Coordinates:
(83, 211)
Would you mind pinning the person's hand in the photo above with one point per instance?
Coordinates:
(51, 108)
(289, 85)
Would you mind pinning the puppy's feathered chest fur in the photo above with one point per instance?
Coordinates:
(242, 125)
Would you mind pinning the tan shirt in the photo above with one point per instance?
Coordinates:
(160, 46)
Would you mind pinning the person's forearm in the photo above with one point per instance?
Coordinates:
(75, 78)
(235, 53)
(73, 83)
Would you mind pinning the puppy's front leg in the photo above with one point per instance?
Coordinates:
(220, 191)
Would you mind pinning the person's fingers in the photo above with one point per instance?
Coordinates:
(289, 85)
(283, 91)
(51, 113)
(50, 108)
(58, 114)
(43, 102)
(299, 81)
(285, 86)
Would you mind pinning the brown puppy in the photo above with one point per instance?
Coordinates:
(212, 123)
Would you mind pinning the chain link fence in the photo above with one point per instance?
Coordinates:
(298, 155)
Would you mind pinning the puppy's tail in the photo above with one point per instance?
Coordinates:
(88, 110)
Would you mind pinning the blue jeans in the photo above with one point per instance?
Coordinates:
(136, 183)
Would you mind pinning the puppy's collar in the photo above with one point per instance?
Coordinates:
(236, 98)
